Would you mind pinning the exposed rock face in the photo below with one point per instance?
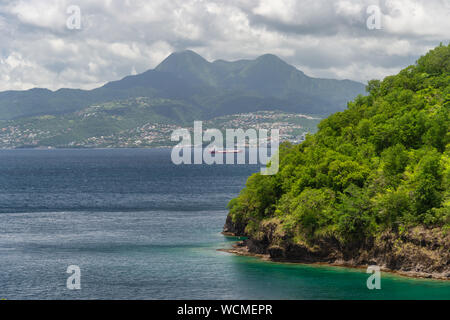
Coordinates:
(233, 228)
(416, 252)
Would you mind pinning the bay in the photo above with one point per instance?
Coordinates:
(140, 227)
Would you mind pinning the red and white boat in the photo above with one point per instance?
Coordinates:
(214, 151)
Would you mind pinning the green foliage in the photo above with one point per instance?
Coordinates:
(394, 161)
(436, 62)
(381, 164)
(310, 212)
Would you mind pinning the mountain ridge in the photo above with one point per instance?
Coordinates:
(265, 83)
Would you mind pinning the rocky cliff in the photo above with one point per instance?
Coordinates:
(417, 252)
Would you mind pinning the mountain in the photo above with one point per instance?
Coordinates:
(371, 187)
(211, 88)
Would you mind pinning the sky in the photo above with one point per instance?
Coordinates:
(43, 45)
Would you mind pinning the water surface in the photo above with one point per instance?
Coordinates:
(140, 227)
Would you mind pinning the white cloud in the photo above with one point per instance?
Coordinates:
(430, 19)
(349, 8)
(40, 13)
(323, 38)
(284, 10)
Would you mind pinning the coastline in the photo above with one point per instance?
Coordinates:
(240, 249)
(419, 253)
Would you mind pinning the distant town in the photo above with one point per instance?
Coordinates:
(292, 127)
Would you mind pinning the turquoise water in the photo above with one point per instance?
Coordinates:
(142, 228)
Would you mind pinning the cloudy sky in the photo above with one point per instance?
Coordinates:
(323, 38)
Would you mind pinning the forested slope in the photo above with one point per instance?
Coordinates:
(372, 184)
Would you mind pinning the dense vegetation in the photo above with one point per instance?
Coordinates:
(382, 164)
(198, 88)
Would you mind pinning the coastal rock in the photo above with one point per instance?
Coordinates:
(234, 228)
(418, 252)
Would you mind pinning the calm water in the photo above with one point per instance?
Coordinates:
(142, 228)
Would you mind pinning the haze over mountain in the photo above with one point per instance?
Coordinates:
(198, 87)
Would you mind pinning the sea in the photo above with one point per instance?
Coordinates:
(138, 226)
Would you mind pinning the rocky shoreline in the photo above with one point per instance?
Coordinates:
(418, 253)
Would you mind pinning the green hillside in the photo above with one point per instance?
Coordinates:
(112, 122)
(215, 88)
(381, 165)
(138, 122)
